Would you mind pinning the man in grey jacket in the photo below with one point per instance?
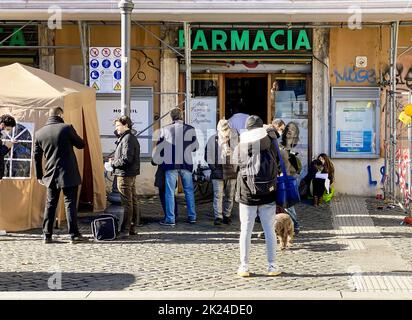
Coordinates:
(126, 166)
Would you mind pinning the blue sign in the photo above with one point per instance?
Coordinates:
(117, 75)
(106, 63)
(94, 63)
(117, 63)
(354, 141)
(94, 74)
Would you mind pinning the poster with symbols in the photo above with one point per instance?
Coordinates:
(105, 69)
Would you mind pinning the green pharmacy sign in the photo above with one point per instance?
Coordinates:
(16, 39)
(247, 40)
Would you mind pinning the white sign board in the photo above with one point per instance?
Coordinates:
(108, 110)
(203, 119)
(105, 69)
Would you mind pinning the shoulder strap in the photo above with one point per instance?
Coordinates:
(282, 164)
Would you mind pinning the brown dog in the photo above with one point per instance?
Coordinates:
(284, 230)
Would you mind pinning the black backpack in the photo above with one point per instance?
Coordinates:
(105, 227)
(260, 173)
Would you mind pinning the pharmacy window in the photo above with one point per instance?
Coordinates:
(355, 122)
(18, 162)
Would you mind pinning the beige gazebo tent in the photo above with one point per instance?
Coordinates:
(28, 94)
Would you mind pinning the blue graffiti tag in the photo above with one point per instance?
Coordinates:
(355, 76)
(371, 182)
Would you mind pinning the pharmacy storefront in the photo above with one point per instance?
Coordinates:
(259, 70)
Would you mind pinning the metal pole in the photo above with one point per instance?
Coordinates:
(84, 50)
(126, 7)
(394, 44)
(188, 59)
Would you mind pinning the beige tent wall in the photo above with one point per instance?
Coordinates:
(28, 98)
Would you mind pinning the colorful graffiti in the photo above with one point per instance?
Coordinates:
(352, 75)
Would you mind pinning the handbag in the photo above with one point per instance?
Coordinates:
(287, 192)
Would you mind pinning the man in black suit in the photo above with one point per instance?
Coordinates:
(55, 141)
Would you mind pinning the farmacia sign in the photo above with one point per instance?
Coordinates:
(245, 40)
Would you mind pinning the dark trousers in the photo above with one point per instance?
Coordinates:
(130, 203)
(162, 196)
(318, 187)
(70, 204)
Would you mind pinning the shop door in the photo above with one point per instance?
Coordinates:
(246, 93)
(291, 102)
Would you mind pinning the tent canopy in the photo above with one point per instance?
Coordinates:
(28, 94)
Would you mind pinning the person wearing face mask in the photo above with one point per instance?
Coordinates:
(126, 166)
(7, 123)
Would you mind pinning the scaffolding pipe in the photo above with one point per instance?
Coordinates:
(84, 50)
(393, 111)
(188, 57)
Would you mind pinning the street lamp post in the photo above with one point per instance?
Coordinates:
(126, 8)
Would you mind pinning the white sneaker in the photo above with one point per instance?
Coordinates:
(243, 271)
(273, 271)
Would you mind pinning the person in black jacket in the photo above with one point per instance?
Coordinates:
(218, 154)
(7, 123)
(126, 166)
(55, 141)
(257, 161)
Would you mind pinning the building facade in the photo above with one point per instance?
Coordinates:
(323, 65)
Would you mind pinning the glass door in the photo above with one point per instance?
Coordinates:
(290, 102)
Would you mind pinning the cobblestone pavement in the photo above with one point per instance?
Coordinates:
(332, 252)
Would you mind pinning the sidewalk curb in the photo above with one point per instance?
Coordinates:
(205, 295)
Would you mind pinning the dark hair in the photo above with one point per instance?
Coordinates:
(125, 120)
(8, 120)
(56, 111)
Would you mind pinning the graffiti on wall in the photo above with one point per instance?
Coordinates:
(404, 72)
(353, 75)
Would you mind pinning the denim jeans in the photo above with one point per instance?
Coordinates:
(292, 213)
(223, 197)
(171, 179)
(247, 215)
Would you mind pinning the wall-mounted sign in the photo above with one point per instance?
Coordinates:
(355, 122)
(105, 74)
(248, 40)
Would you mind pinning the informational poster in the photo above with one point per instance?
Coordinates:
(141, 113)
(355, 126)
(203, 119)
(109, 110)
(105, 69)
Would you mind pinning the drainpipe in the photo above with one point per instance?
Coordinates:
(188, 58)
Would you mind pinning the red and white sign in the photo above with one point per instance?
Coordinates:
(106, 52)
(94, 52)
(117, 52)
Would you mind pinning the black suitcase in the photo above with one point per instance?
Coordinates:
(105, 227)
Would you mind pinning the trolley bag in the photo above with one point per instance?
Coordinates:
(104, 227)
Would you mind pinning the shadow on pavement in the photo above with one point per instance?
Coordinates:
(66, 281)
